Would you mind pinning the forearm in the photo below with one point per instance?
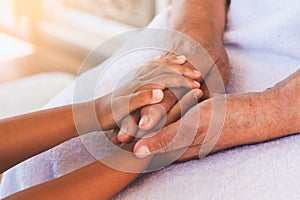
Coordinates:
(202, 20)
(284, 97)
(262, 116)
(226, 121)
(27, 135)
(95, 181)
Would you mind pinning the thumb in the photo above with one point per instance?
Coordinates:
(170, 138)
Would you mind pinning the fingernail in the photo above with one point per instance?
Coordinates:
(142, 152)
(197, 84)
(197, 94)
(157, 94)
(122, 136)
(121, 133)
(146, 119)
(181, 59)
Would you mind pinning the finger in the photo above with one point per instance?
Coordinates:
(185, 132)
(181, 107)
(124, 105)
(187, 71)
(164, 81)
(156, 142)
(151, 115)
(128, 127)
(176, 136)
(179, 81)
(173, 59)
(136, 101)
(158, 68)
(175, 81)
(179, 59)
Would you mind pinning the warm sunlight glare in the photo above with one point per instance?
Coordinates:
(13, 48)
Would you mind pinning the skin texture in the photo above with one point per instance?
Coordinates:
(243, 122)
(203, 21)
(94, 181)
(22, 137)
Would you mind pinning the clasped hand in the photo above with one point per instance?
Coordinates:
(148, 95)
(158, 95)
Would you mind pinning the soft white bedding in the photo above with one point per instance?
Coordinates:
(264, 171)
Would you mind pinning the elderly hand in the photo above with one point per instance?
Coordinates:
(152, 115)
(226, 121)
(204, 22)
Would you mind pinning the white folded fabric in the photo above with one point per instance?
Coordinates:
(261, 53)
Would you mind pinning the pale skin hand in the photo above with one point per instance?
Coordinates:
(24, 136)
(244, 122)
(203, 21)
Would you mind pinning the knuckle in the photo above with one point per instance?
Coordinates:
(163, 145)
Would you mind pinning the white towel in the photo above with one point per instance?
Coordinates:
(265, 171)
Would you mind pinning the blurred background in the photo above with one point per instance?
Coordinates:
(56, 35)
(44, 42)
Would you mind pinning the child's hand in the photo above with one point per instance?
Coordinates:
(145, 88)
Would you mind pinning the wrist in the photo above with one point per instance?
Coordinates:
(243, 123)
(265, 116)
(284, 105)
(86, 117)
(201, 20)
(205, 36)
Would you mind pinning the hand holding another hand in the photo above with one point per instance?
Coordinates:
(176, 102)
(146, 88)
